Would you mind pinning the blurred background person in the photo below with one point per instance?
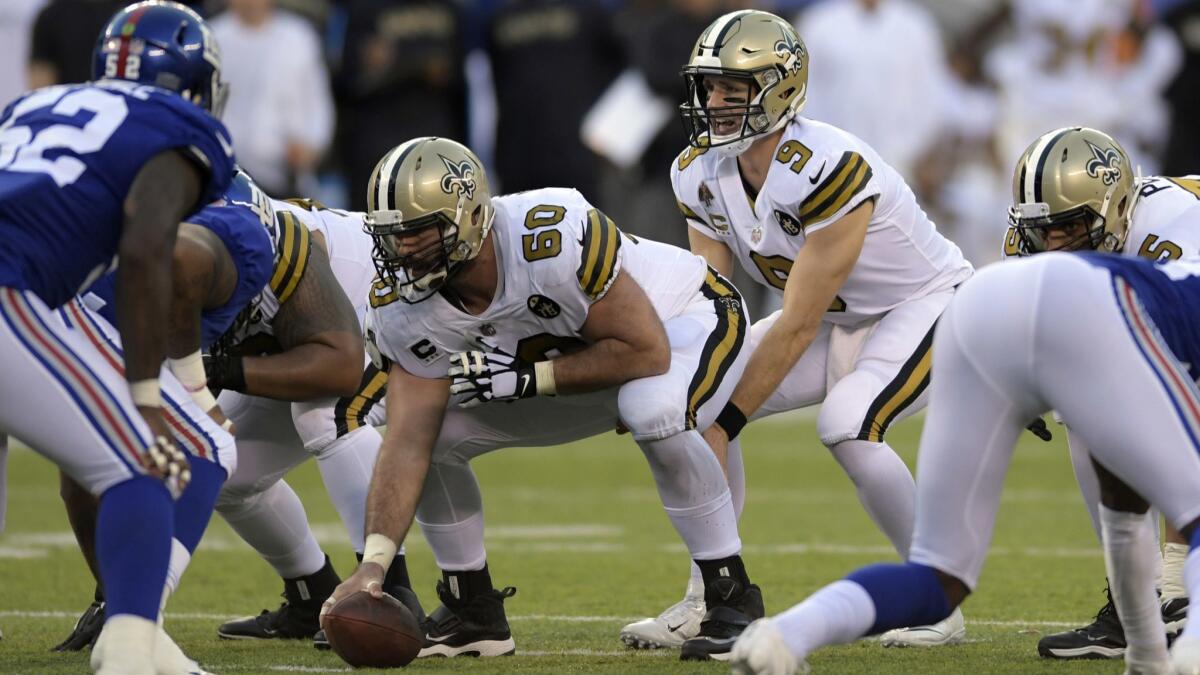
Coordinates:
(1083, 62)
(658, 37)
(60, 48)
(878, 70)
(280, 109)
(401, 76)
(550, 61)
(1181, 155)
(16, 25)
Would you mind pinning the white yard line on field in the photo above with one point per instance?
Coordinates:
(556, 618)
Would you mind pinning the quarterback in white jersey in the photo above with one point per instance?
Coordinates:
(530, 319)
(297, 384)
(814, 213)
(1089, 199)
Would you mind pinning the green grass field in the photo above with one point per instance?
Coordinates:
(579, 531)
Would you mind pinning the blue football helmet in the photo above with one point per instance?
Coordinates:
(164, 44)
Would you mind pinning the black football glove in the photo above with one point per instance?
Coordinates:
(1038, 428)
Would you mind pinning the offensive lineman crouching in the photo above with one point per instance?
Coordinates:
(537, 294)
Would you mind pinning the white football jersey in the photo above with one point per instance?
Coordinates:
(820, 174)
(1164, 224)
(349, 249)
(556, 255)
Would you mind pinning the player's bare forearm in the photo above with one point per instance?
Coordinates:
(164, 191)
(608, 363)
(396, 486)
(416, 407)
(329, 364)
(715, 253)
(819, 271)
(627, 342)
(193, 271)
(321, 340)
(774, 356)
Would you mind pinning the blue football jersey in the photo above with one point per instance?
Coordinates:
(244, 222)
(68, 156)
(1170, 294)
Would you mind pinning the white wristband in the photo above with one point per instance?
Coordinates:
(379, 549)
(543, 372)
(146, 393)
(190, 371)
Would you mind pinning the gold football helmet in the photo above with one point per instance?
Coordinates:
(427, 184)
(759, 48)
(1073, 189)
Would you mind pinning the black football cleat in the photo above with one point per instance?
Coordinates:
(1103, 638)
(87, 629)
(731, 608)
(298, 618)
(476, 626)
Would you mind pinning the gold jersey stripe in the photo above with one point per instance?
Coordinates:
(601, 241)
(1192, 185)
(692, 215)
(382, 293)
(722, 346)
(291, 255)
(351, 412)
(847, 179)
(900, 393)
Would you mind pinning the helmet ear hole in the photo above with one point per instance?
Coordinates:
(1121, 206)
(476, 214)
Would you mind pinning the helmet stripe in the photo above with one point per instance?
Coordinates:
(730, 20)
(126, 35)
(385, 187)
(1041, 163)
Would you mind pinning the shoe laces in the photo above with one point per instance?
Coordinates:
(1108, 613)
(688, 609)
(285, 614)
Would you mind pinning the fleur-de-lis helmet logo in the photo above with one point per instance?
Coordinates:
(459, 176)
(1105, 164)
(791, 51)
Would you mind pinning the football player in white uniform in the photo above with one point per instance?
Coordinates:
(1075, 189)
(814, 213)
(531, 320)
(297, 383)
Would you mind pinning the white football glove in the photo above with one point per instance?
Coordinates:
(490, 376)
(171, 463)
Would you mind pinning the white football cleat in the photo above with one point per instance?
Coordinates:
(1185, 655)
(125, 646)
(678, 623)
(949, 631)
(169, 659)
(1149, 668)
(760, 650)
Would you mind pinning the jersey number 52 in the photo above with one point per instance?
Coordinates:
(21, 149)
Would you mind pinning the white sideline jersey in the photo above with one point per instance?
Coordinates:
(1164, 224)
(557, 255)
(349, 252)
(820, 174)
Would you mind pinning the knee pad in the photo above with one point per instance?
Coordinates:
(650, 410)
(843, 415)
(451, 494)
(234, 498)
(315, 425)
